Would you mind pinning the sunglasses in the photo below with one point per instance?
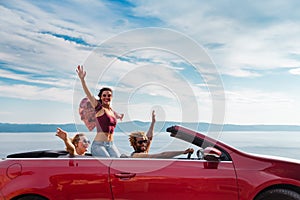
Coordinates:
(85, 141)
(104, 95)
(142, 141)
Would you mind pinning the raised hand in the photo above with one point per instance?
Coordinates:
(121, 116)
(81, 73)
(61, 134)
(189, 150)
(153, 116)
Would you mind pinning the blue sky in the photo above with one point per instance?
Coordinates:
(253, 48)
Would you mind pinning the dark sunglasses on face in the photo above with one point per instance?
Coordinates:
(142, 141)
(86, 141)
(104, 95)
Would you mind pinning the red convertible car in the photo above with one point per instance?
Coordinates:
(218, 172)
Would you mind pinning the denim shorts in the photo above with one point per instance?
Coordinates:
(104, 149)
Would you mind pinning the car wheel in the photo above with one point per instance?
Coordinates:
(279, 194)
(30, 197)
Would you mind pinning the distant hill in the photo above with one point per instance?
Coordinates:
(138, 125)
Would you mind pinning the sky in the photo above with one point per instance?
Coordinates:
(229, 62)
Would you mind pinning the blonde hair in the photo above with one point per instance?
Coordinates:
(134, 135)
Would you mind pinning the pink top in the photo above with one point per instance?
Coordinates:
(105, 123)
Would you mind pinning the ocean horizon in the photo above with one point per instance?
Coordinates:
(130, 126)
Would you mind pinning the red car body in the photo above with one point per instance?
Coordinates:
(235, 175)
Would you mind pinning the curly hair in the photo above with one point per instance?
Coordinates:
(134, 135)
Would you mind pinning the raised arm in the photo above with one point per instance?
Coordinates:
(167, 154)
(81, 74)
(64, 136)
(151, 131)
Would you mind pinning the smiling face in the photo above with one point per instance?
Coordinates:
(139, 141)
(106, 97)
(81, 143)
(141, 144)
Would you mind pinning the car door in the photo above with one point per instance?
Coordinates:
(59, 178)
(83, 179)
(173, 179)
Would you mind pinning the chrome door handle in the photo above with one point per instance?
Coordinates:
(125, 175)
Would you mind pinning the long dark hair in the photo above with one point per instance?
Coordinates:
(102, 90)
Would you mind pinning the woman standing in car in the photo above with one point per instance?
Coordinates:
(106, 117)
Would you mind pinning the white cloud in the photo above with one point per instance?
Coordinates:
(295, 71)
(245, 44)
(23, 37)
(28, 92)
(261, 107)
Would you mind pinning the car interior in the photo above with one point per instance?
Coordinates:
(204, 150)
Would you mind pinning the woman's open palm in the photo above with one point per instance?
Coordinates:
(81, 73)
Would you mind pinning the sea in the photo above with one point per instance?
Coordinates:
(283, 144)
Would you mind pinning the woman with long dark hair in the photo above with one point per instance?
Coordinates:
(106, 119)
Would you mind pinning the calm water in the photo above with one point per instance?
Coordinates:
(284, 144)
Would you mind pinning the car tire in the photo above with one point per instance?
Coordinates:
(31, 197)
(279, 194)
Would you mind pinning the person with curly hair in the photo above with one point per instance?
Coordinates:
(141, 143)
(142, 135)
